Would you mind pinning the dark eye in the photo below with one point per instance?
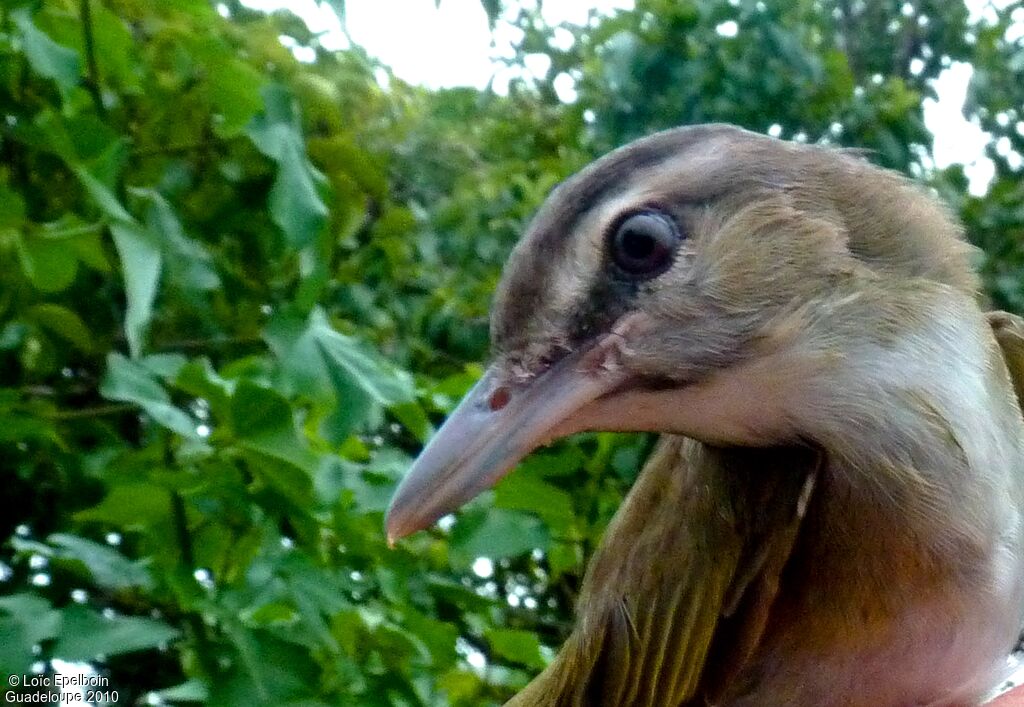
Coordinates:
(644, 243)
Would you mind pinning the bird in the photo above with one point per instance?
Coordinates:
(832, 512)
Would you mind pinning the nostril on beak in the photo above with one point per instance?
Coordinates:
(499, 398)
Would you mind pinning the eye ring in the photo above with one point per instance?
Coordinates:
(643, 243)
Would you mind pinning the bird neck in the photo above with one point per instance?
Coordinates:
(915, 412)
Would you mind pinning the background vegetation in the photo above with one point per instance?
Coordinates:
(237, 291)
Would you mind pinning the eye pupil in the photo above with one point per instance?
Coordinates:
(644, 243)
(638, 246)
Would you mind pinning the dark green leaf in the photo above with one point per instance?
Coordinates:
(86, 635)
(263, 423)
(64, 323)
(40, 621)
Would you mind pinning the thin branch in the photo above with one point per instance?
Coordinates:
(910, 45)
(181, 531)
(179, 518)
(180, 149)
(847, 23)
(189, 344)
(99, 410)
(92, 83)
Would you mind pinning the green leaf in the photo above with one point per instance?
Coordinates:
(140, 264)
(29, 620)
(291, 337)
(263, 423)
(189, 265)
(16, 650)
(344, 356)
(235, 92)
(496, 533)
(115, 44)
(130, 506)
(87, 635)
(104, 198)
(527, 492)
(318, 362)
(198, 379)
(189, 691)
(107, 567)
(438, 637)
(19, 427)
(62, 322)
(46, 57)
(12, 208)
(267, 671)
(517, 646)
(48, 264)
(293, 340)
(414, 419)
(84, 240)
(564, 557)
(128, 381)
(295, 203)
(166, 366)
(561, 460)
(39, 619)
(274, 613)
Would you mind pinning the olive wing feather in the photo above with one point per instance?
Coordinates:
(678, 595)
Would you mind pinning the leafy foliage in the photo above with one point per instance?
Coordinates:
(240, 289)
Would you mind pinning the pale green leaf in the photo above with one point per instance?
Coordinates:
(295, 203)
(104, 198)
(189, 264)
(496, 533)
(188, 691)
(141, 262)
(126, 380)
(46, 57)
(384, 383)
(267, 671)
(16, 650)
(107, 567)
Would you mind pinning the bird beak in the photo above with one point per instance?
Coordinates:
(498, 423)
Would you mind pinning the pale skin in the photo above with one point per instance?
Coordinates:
(833, 514)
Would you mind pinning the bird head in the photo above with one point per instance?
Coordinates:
(667, 288)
